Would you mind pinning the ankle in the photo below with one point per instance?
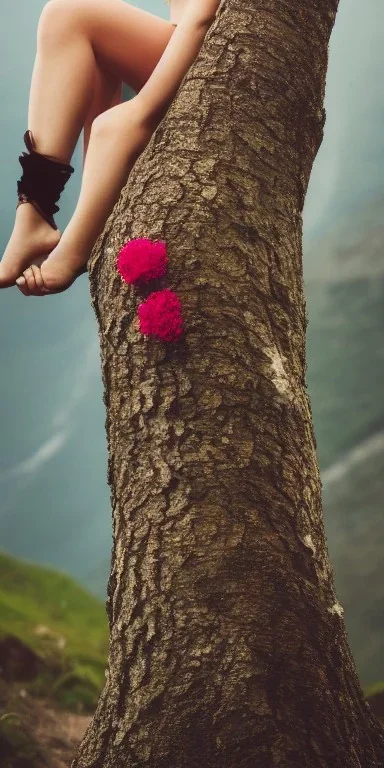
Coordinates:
(28, 216)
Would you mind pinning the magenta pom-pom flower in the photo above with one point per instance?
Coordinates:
(141, 260)
(160, 315)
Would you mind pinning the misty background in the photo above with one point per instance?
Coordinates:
(54, 498)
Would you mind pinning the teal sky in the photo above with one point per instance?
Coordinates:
(349, 165)
(54, 499)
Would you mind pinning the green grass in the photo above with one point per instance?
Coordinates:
(76, 647)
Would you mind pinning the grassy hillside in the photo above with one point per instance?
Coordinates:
(63, 626)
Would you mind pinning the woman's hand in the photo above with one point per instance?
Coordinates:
(203, 11)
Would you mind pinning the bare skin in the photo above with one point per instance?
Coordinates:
(90, 47)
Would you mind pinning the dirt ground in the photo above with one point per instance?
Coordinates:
(59, 733)
(56, 733)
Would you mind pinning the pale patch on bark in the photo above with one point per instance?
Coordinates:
(279, 376)
(309, 543)
(209, 192)
(337, 608)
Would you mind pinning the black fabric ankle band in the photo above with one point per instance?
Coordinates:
(42, 181)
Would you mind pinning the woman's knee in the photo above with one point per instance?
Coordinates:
(57, 18)
(113, 121)
(125, 122)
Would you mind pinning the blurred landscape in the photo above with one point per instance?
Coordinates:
(346, 381)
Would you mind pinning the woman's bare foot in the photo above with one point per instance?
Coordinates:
(55, 273)
(32, 238)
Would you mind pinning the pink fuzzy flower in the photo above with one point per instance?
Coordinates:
(141, 260)
(160, 315)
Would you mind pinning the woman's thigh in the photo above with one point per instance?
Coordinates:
(126, 40)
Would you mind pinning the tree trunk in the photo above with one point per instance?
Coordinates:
(228, 647)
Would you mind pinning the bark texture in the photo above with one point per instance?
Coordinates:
(228, 646)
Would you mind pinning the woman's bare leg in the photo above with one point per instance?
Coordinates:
(118, 136)
(63, 99)
(107, 93)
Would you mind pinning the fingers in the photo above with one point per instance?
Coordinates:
(22, 285)
(40, 287)
(31, 283)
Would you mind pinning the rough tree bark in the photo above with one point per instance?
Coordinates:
(227, 641)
